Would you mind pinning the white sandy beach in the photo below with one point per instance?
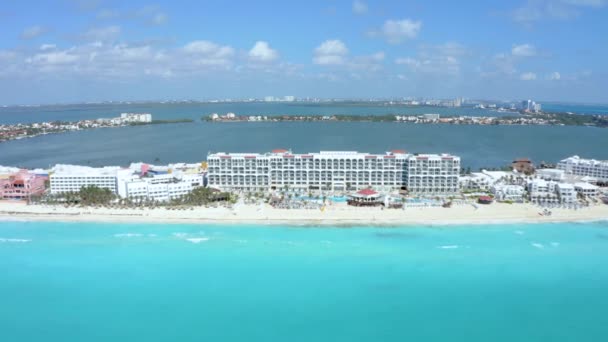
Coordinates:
(337, 215)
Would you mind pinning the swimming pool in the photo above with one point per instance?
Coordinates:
(335, 199)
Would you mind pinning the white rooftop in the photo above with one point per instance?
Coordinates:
(79, 170)
(586, 186)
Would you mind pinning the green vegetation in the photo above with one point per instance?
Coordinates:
(204, 196)
(93, 195)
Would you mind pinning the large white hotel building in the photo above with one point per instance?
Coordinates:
(585, 167)
(125, 182)
(334, 170)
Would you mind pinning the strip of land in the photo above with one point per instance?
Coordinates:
(338, 214)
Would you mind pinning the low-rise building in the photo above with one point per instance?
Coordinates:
(556, 175)
(578, 166)
(22, 184)
(586, 189)
(71, 178)
(566, 192)
(523, 165)
(542, 191)
(506, 192)
(136, 117)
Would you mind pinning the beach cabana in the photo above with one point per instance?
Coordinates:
(485, 200)
(365, 197)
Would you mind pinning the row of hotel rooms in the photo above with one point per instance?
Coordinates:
(419, 174)
(335, 171)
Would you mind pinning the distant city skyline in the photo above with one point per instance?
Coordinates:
(74, 51)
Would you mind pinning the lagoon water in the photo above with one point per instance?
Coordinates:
(127, 282)
(479, 146)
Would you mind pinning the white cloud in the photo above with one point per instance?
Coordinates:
(443, 59)
(368, 63)
(589, 3)
(399, 31)
(33, 32)
(527, 76)
(536, 10)
(45, 47)
(207, 53)
(159, 18)
(53, 58)
(330, 52)
(261, 52)
(107, 14)
(152, 15)
(524, 50)
(554, 76)
(102, 33)
(359, 7)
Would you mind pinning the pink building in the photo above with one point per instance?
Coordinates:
(21, 185)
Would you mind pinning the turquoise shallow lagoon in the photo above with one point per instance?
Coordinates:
(137, 282)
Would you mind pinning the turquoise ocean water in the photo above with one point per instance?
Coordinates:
(127, 282)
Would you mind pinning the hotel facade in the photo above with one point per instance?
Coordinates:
(578, 166)
(334, 170)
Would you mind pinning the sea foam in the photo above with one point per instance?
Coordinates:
(10, 240)
(197, 240)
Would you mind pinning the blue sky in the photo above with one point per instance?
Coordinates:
(96, 50)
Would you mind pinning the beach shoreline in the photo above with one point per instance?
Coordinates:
(339, 215)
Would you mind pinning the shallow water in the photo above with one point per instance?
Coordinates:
(128, 282)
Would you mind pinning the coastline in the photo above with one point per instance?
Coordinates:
(338, 215)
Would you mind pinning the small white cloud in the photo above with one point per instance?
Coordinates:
(408, 61)
(554, 76)
(204, 47)
(261, 52)
(535, 10)
(152, 15)
(378, 56)
(102, 33)
(527, 76)
(330, 52)
(45, 47)
(53, 58)
(159, 19)
(33, 32)
(206, 53)
(359, 7)
(585, 3)
(399, 31)
(107, 14)
(524, 50)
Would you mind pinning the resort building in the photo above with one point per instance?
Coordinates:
(157, 187)
(71, 178)
(136, 117)
(506, 192)
(556, 175)
(159, 183)
(585, 167)
(566, 192)
(586, 189)
(334, 170)
(523, 165)
(483, 180)
(541, 191)
(22, 184)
